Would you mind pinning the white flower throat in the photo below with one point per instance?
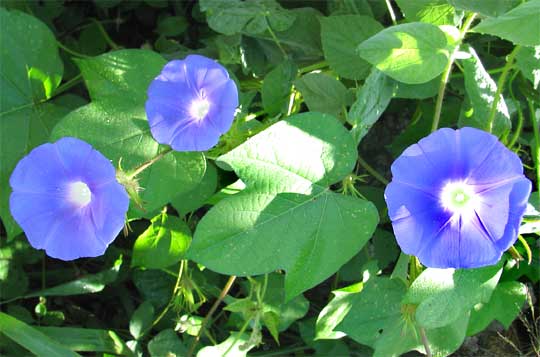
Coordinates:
(459, 198)
(79, 193)
(199, 108)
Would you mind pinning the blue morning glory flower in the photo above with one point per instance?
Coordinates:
(191, 103)
(457, 198)
(67, 200)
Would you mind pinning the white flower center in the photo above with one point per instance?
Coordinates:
(459, 198)
(79, 193)
(199, 108)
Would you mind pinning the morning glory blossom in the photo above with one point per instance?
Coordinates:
(191, 103)
(457, 198)
(67, 200)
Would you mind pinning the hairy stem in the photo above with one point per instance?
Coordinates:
(148, 163)
(425, 341)
(391, 12)
(214, 307)
(500, 86)
(372, 171)
(447, 70)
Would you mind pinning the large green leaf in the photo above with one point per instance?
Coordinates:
(323, 93)
(481, 90)
(237, 345)
(376, 317)
(505, 304)
(410, 53)
(30, 72)
(287, 218)
(487, 8)
(252, 17)
(162, 244)
(191, 200)
(115, 124)
(32, 339)
(443, 295)
(521, 25)
(340, 35)
(87, 340)
(166, 343)
(437, 12)
(372, 100)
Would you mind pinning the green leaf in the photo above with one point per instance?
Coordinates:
(166, 343)
(89, 284)
(378, 319)
(481, 90)
(418, 91)
(372, 100)
(237, 345)
(521, 25)
(287, 218)
(483, 7)
(336, 310)
(276, 88)
(117, 83)
(155, 286)
(340, 35)
(374, 309)
(234, 16)
(163, 244)
(172, 26)
(411, 53)
(437, 12)
(528, 61)
(30, 72)
(196, 198)
(323, 93)
(87, 340)
(141, 319)
(504, 306)
(32, 339)
(443, 295)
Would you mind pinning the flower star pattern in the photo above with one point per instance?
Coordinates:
(67, 200)
(191, 103)
(457, 198)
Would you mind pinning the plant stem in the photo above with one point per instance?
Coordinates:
(536, 152)
(167, 308)
(68, 85)
(448, 70)
(105, 35)
(71, 52)
(372, 171)
(517, 132)
(500, 86)
(274, 37)
(425, 341)
(149, 163)
(391, 12)
(313, 67)
(214, 307)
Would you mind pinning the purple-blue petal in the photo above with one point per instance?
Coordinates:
(429, 229)
(40, 201)
(170, 99)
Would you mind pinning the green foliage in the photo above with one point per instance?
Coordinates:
(280, 192)
(410, 53)
(437, 12)
(323, 93)
(340, 35)
(163, 244)
(31, 71)
(521, 25)
(276, 88)
(481, 91)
